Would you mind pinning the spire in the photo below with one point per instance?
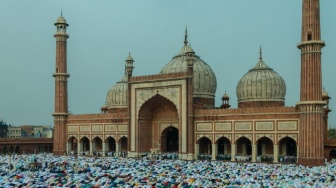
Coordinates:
(186, 36)
(260, 54)
(61, 13)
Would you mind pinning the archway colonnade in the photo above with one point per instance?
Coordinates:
(97, 146)
(26, 149)
(263, 150)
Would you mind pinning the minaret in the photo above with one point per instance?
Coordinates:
(129, 71)
(190, 59)
(311, 128)
(61, 87)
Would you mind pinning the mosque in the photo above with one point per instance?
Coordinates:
(174, 110)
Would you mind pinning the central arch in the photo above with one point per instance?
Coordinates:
(155, 115)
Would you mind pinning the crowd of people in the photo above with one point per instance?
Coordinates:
(46, 170)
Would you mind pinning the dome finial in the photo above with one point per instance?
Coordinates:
(260, 54)
(186, 36)
(61, 13)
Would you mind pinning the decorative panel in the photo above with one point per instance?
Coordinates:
(243, 126)
(287, 125)
(96, 128)
(122, 127)
(110, 127)
(264, 126)
(72, 128)
(84, 128)
(223, 126)
(204, 127)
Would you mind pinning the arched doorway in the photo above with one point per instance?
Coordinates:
(169, 139)
(155, 112)
(97, 146)
(205, 148)
(223, 149)
(265, 150)
(332, 154)
(111, 144)
(72, 145)
(123, 144)
(287, 150)
(5, 149)
(244, 146)
(11, 149)
(17, 149)
(85, 146)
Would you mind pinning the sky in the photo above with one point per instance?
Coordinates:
(224, 33)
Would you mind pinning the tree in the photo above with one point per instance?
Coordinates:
(332, 134)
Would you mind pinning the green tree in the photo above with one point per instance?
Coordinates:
(332, 134)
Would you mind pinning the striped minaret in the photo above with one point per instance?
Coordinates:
(311, 129)
(61, 87)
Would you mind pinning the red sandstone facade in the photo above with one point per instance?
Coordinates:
(162, 113)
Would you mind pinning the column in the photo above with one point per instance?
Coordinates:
(233, 152)
(196, 151)
(78, 148)
(103, 149)
(214, 152)
(67, 148)
(118, 148)
(91, 148)
(254, 152)
(275, 153)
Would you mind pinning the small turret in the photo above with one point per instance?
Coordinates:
(129, 66)
(225, 101)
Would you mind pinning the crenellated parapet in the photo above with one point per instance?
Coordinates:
(203, 112)
(159, 77)
(97, 116)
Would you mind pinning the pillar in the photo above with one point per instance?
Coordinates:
(103, 149)
(214, 152)
(196, 150)
(275, 153)
(254, 152)
(233, 152)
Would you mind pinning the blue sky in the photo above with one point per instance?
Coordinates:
(224, 33)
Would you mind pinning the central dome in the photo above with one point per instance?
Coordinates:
(261, 87)
(205, 83)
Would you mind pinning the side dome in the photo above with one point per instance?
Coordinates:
(205, 82)
(116, 97)
(261, 87)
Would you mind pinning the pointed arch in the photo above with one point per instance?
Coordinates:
(123, 143)
(154, 113)
(332, 154)
(84, 145)
(17, 149)
(244, 146)
(157, 106)
(72, 144)
(287, 146)
(169, 139)
(265, 148)
(205, 145)
(111, 144)
(97, 144)
(223, 147)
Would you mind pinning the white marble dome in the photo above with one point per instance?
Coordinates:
(205, 82)
(117, 96)
(261, 83)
